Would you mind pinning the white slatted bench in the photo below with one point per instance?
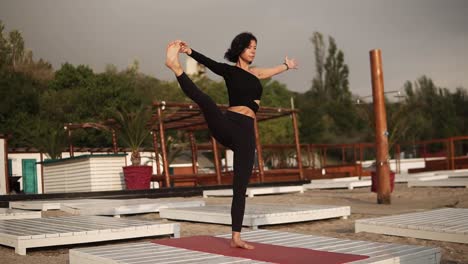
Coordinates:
(6, 213)
(450, 182)
(449, 224)
(147, 253)
(123, 207)
(338, 184)
(31, 233)
(45, 205)
(257, 214)
(251, 192)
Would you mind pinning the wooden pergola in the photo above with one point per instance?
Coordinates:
(189, 118)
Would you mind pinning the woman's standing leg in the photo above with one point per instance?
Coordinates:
(244, 155)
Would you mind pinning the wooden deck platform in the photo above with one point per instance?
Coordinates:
(449, 182)
(123, 207)
(146, 253)
(31, 233)
(252, 191)
(257, 214)
(6, 213)
(340, 183)
(449, 224)
(45, 205)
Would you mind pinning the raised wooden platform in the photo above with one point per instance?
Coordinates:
(449, 224)
(449, 182)
(17, 214)
(45, 205)
(257, 214)
(252, 191)
(339, 183)
(381, 253)
(123, 207)
(31, 233)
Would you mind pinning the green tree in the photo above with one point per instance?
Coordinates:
(331, 114)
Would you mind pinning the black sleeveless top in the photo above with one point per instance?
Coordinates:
(243, 87)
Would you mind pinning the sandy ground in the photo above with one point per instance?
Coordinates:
(362, 202)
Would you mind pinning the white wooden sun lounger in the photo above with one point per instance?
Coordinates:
(257, 214)
(31, 233)
(251, 192)
(449, 224)
(6, 213)
(338, 184)
(123, 207)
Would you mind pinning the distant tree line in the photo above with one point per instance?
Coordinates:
(36, 100)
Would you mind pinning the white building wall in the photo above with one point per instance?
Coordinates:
(147, 158)
(17, 167)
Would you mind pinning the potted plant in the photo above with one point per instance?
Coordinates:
(132, 130)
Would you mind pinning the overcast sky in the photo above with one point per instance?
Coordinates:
(416, 36)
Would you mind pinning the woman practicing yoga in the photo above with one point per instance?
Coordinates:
(234, 128)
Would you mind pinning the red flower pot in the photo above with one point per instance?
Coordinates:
(137, 177)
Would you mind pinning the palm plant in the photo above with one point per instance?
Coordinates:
(47, 137)
(133, 130)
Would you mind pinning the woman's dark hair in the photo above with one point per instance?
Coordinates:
(238, 44)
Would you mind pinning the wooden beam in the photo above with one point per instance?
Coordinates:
(156, 151)
(193, 145)
(163, 148)
(298, 146)
(259, 152)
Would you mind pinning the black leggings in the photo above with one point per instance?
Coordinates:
(234, 131)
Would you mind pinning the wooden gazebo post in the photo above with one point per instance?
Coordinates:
(70, 145)
(216, 160)
(452, 154)
(42, 171)
(309, 155)
(156, 151)
(163, 145)
(7, 177)
(194, 152)
(298, 146)
(258, 145)
(114, 141)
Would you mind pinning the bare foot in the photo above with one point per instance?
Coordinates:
(238, 243)
(172, 58)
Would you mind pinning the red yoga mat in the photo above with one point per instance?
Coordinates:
(262, 252)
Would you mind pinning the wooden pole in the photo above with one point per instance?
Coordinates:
(114, 141)
(216, 160)
(193, 145)
(70, 145)
(259, 152)
(381, 132)
(42, 172)
(226, 167)
(452, 154)
(163, 147)
(7, 177)
(298, 146)
(398, 158)
(156, 151)
(309, 155)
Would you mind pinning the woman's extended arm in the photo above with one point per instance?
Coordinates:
(264, 73)
(214, 66)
